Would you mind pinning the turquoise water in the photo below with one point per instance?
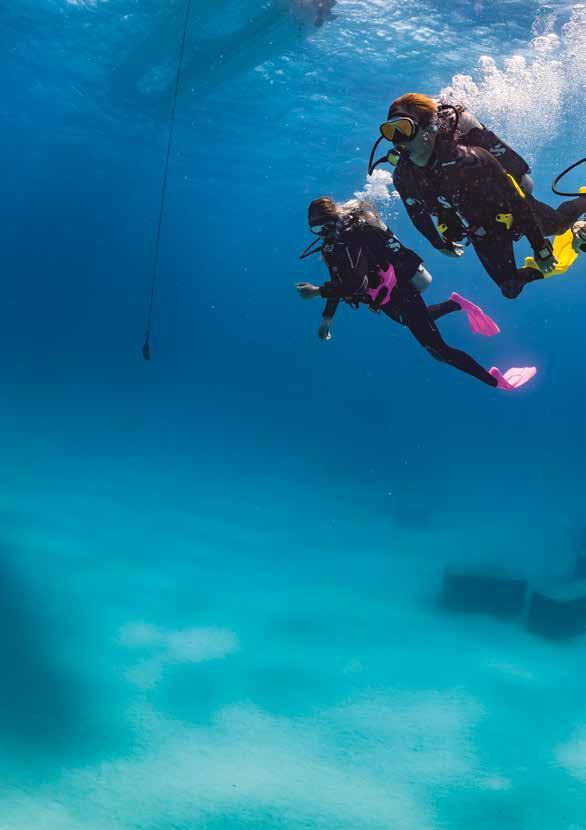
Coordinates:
(220, 569)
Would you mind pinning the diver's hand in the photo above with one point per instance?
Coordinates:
(306, 290)
(324, 332)
(455, 250)
(579, 232)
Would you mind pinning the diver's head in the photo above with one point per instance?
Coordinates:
(322, 216)
(421, 108)
(411, 125)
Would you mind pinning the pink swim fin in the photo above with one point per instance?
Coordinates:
(513, 378)
(480, 323)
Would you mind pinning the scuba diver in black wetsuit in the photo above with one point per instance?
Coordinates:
(368, 265)
(451, 167)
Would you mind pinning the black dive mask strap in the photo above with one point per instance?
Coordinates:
(308, 251)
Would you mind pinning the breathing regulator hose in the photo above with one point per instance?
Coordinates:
(565, 173)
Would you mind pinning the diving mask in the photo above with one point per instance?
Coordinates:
(326, 232)
(399, 128)
(327, 227)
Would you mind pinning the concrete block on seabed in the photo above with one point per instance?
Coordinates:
(559, 613)
(483, 590)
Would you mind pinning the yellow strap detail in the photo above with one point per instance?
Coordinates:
(505, 219)
(442, 229)
(517, 187)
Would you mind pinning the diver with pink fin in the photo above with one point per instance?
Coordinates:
(369, 266)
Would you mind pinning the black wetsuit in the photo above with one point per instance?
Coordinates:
(552, 221)
(466, 188)
(354, 260)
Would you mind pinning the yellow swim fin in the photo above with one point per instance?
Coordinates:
(563, 250)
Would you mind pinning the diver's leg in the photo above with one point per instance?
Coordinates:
(482, 324)
(479, 321)
(421, 280)
(441, 309)
(572, 210)
(554, 221)
(414, 315)
(497, 255)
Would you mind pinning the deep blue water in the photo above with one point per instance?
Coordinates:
(219, 569)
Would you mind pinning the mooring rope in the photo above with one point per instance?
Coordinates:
(146, 349)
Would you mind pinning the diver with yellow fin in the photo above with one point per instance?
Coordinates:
(449, 167)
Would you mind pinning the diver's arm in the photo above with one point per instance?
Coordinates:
(330, 308)
(331, 291)
(324, 331)
(512, 162)
(425, 225)
(420, 217)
